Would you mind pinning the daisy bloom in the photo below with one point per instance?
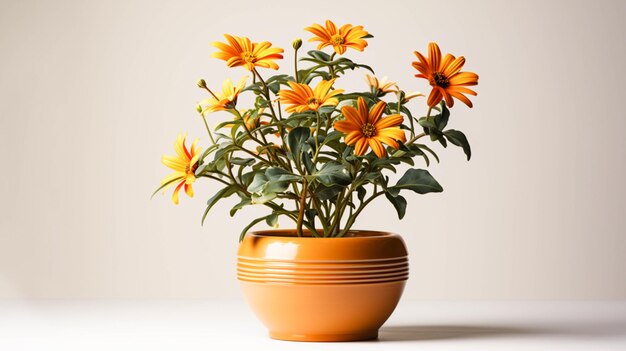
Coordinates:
(348, 36)
(184, 165)
(445, 76)
(240, 51)
(381, 87)
(226, 99)
(365, 128)
(302, 98)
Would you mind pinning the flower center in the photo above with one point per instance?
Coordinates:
(336, 39)
(440, 80)
(368, 130)
(192, 169)
(313, 101)
(248, 57)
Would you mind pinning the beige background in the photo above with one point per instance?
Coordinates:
(92, 93)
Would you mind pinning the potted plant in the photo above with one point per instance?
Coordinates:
(312, 153)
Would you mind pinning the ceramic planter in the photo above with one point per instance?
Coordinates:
(322, 289)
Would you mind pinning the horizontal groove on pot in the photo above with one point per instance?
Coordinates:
(323, 282)
(323, 262)
(316, 266)
(261, 270)
(322, 277)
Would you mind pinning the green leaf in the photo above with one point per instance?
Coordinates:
(457, 138)
(308, 162)
(428, 123)
(265, 186)
(263, 197)
(417, 180)
(272, 220)
(310, 216)
(330, 137)
(320, 55)
(258, 182)
(324, 193)
(441, 120)
(296, 139)
(252, 224)
(243, 203)
(373, 176)
(224, 193)
(276, 174)
(361, 192)
(333, 173)
(398, 202)
(425, 147)
(242, 161)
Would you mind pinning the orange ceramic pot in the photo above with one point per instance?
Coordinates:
(322, 289)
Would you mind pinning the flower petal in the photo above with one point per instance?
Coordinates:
(377, 147)
(389, 121)
(434, 56)
(434, 97)
(360, 147)
(377, 111)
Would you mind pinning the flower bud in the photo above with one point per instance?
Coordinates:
(296, 44)
(201, 83)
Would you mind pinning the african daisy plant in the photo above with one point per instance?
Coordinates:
(306, 149)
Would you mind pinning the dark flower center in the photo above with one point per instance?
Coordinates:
(192, 169)
(248, 57)
(313, 101)
(368, 130)
(440, 80)
(336, 39)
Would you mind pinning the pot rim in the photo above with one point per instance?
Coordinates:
(290, 233)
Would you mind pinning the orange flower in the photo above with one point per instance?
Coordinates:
(365, 128)
(302, 98)
(184, 165)
(445, 77)
(226, 99)
(240, 51)
(347, 36)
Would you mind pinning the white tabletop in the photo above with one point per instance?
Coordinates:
(89, 325)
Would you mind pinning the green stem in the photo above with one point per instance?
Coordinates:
(318, 208)
(316, 134)
(241, 148)
(412, 140)
(399, 95)
(356, 214)
(208, 129)
(211, 92)
(295, 65)
(266, 91)
(302, 207)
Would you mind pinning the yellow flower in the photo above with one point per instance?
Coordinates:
(226, 99)
(445, 77)
(365, 128)
(302, 98)
(184, 165)
(240, 51)
(348, 36)
(381, 87)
